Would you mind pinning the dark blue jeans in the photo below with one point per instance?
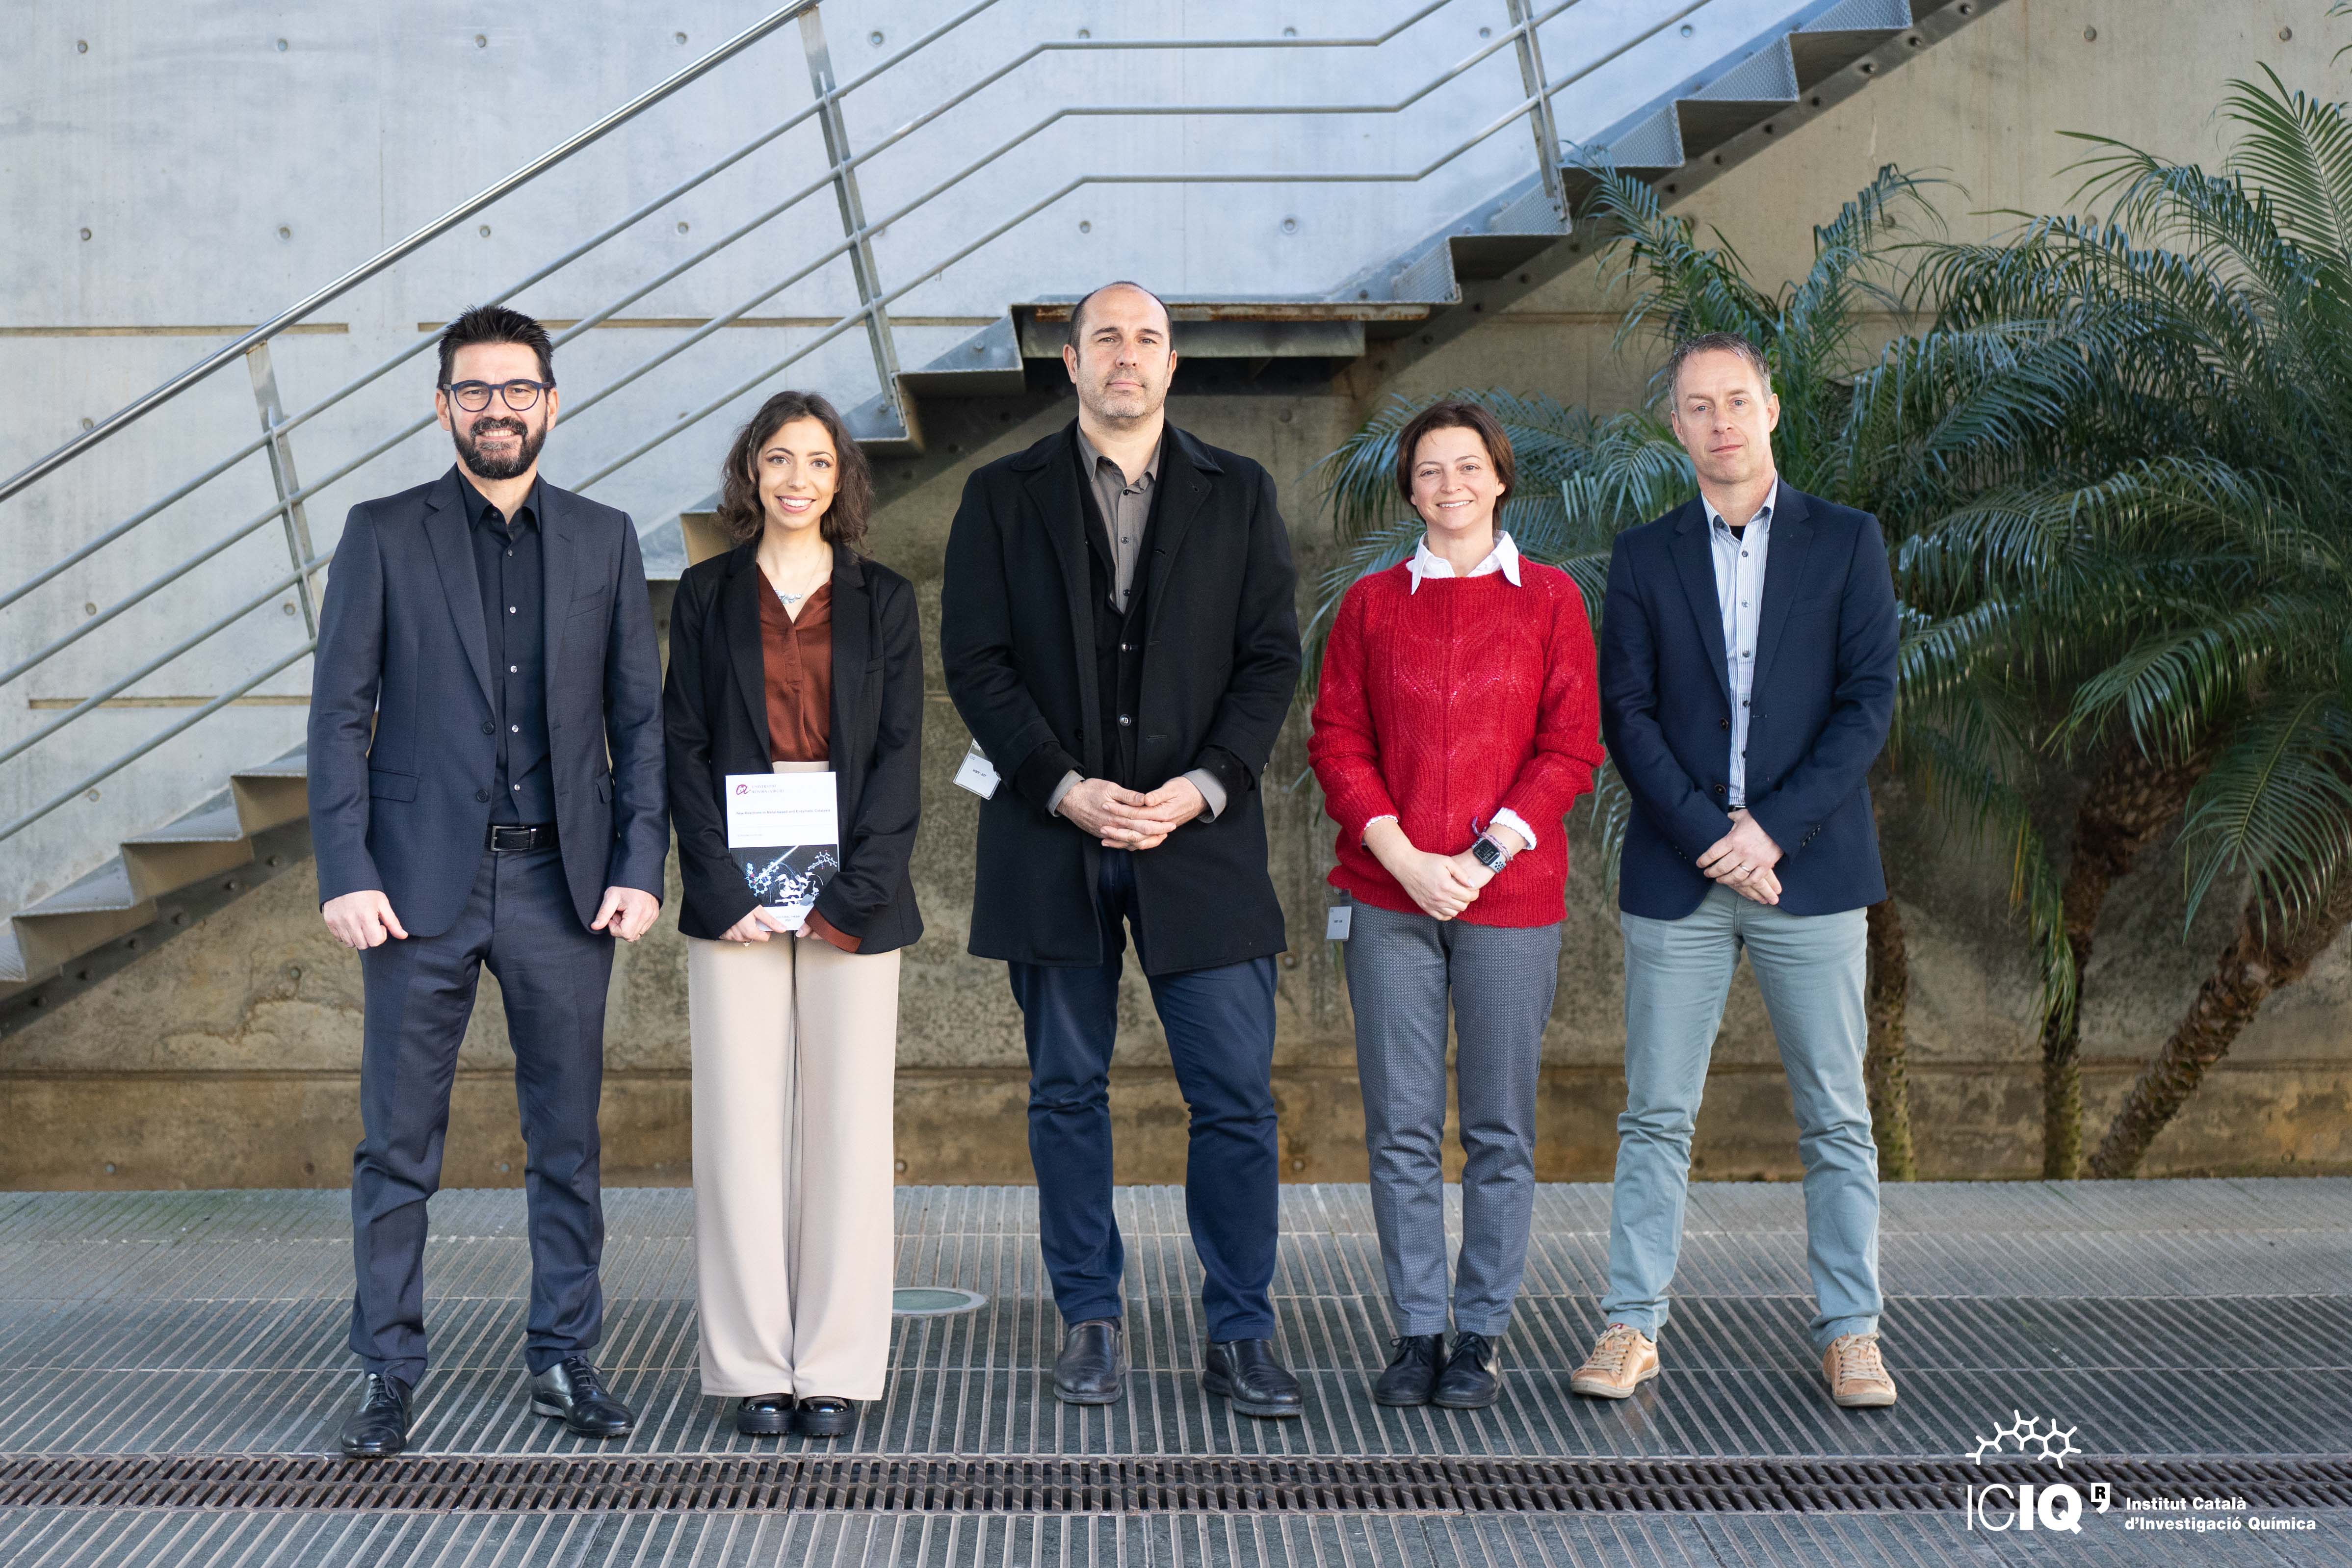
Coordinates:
(1220, 1027)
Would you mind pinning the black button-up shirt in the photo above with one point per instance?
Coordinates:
(514, 612)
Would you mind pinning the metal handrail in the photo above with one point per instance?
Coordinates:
(717, 324)
(1523, 26)
(267, 330)
(393, 253)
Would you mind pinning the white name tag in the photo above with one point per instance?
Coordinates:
(977, 773)
(1337, 920)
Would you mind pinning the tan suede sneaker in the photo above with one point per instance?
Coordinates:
(1858, 1379)
(1623, 1357)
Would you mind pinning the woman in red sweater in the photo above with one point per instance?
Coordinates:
(1456, 724)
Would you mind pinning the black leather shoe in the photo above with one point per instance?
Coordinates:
(1248, 1372)
(764, 1415)
(1412, 1376)
(1092, 1367)
(379, 1429)
(1469, 1381)
(824, 1417)
(575, 1391)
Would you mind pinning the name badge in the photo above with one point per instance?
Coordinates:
(977, 773)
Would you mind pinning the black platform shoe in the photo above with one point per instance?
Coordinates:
(379, 1429)
(824, 1416)
(1412, 1376)
(764, 1415)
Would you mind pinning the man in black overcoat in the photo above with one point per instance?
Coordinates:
(486, 788)
(1119, 632)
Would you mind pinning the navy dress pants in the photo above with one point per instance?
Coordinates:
(1220, 1027)
(520, 919)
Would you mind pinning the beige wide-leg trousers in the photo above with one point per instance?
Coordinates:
(795, 1046)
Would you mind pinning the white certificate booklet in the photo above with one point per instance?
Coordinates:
(785, 831)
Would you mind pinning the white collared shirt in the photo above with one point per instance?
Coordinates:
(1427, 563)
(1503, 558)
(1739, 595)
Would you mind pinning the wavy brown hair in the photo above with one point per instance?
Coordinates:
(742, 518)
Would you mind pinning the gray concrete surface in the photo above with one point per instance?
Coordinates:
(227, 1058)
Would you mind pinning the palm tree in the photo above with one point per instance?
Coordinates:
(2191, 601)
(1933, 418)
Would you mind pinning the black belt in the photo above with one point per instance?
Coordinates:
(506, 838)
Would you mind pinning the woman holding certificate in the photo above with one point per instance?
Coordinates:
(794, 715)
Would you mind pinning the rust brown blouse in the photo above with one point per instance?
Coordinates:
(798, 655)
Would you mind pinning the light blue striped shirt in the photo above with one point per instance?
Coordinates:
(1739, 595)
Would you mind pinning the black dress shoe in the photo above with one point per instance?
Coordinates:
(575, 1390)
(1412, 1376)
(824, 1417)
(764, 1415)
(1469, 1381)
(379, 1429)
(1248, 1372)
(1092, 1367)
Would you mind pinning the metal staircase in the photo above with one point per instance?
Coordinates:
(1797, 58)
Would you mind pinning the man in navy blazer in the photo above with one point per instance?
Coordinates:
(1748, 666)
(486, 788)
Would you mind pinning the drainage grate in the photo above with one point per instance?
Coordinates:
(1055, 1484)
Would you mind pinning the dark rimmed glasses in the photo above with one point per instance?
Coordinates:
(473, 396)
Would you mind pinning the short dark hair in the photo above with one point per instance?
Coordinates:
(1713, 343)
(1078, 311)
(497, 325)
(1454, 414)
(741, 517)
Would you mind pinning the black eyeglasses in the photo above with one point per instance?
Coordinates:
(473, 396)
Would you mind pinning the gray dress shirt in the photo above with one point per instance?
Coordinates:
(1739, 595)
(1124, 508)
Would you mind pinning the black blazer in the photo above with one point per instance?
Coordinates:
(1221, 658)
(402, 647)
(715, 710)
(1819, 704)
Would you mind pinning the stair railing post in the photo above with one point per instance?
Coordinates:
(281, 452)
(1539, 116)
(853, 208)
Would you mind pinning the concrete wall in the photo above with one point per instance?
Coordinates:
(175, 174)
(227, 1056)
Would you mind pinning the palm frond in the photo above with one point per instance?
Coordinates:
(2276, 806)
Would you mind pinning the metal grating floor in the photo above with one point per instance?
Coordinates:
(2168, 1321)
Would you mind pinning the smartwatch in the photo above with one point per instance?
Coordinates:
(1489, 853)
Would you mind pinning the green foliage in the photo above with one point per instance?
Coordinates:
(2184, 571)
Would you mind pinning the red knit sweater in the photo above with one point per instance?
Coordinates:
(1441, 706)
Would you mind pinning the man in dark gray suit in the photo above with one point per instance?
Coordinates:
(485, 645)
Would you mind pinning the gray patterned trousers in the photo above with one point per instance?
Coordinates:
(1401, 969)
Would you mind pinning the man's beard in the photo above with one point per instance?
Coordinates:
(485, 466)
(1104, 404)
